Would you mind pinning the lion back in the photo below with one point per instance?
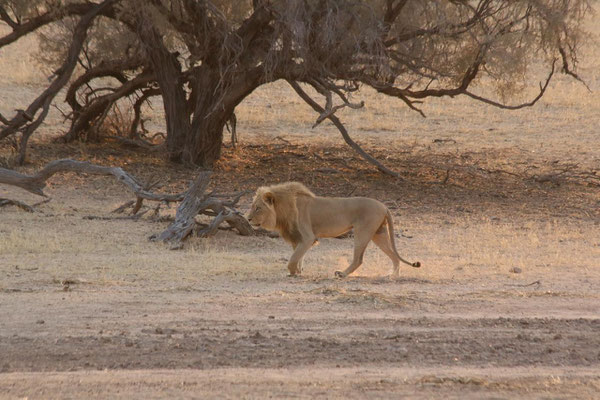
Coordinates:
(286, 209)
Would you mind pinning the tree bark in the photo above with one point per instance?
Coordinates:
(187, 211)
(169, 76)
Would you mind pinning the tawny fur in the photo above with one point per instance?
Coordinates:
(301, 218)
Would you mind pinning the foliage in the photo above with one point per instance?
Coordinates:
(204, 57)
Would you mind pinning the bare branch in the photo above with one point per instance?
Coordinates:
(36, 183)
(21, 29)
(21, 205)
(99, 106)
(187, 210)
(567, 70)
(326, 91)
(6, 18)
(342, 130)
(518, 106)
(113, 68)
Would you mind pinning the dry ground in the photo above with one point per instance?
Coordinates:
(90, 309)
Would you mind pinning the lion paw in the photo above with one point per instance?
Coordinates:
(339, 274)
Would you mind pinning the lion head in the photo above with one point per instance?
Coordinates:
(262, 211)
(274, 208)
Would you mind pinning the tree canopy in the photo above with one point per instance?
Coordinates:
(204, 57)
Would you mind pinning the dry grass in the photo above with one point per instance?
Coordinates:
(458, 247)
(18, 65)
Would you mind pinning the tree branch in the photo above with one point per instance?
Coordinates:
(326, 91)
(342, 130)
(567, 70)
(64, 74)
(518, 106)
(21, 29)
(36, 183)
(97, 107)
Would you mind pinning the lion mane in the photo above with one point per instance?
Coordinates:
(286, 209)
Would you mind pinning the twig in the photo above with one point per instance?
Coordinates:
(122, 208)
(282, 139)
(23, 206)
(128, 217)
(528, 284)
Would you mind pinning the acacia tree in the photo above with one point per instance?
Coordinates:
(205, 56)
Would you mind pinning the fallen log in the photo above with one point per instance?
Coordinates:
(193, 202)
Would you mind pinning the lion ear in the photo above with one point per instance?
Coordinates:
(269, 198)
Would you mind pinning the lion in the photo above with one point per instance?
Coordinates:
(301, 218)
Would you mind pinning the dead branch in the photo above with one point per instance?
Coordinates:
(133, 217)
(235, 221)
(186, 212)
(238, 222)
(212, 228)
(141, 143)
(123, 207)
(36, 183)
(195, 202)
(21, 205)
(538, 282)
(284, 140)
(342, 130)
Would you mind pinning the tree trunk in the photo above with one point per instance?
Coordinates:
(213, 106)
(169, 77)
(195, 122)
(209, 115)
(205, 140)
(197, 143)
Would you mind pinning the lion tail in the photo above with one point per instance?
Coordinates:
(390, 223)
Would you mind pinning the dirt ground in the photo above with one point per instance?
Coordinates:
(501, 208)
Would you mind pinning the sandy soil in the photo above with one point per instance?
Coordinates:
(90, 309)
(502, 209)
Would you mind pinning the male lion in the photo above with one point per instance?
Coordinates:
(302, 218)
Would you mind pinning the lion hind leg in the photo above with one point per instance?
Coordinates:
(361, 240)
(382, 240)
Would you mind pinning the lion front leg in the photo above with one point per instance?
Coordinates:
(295, 263)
